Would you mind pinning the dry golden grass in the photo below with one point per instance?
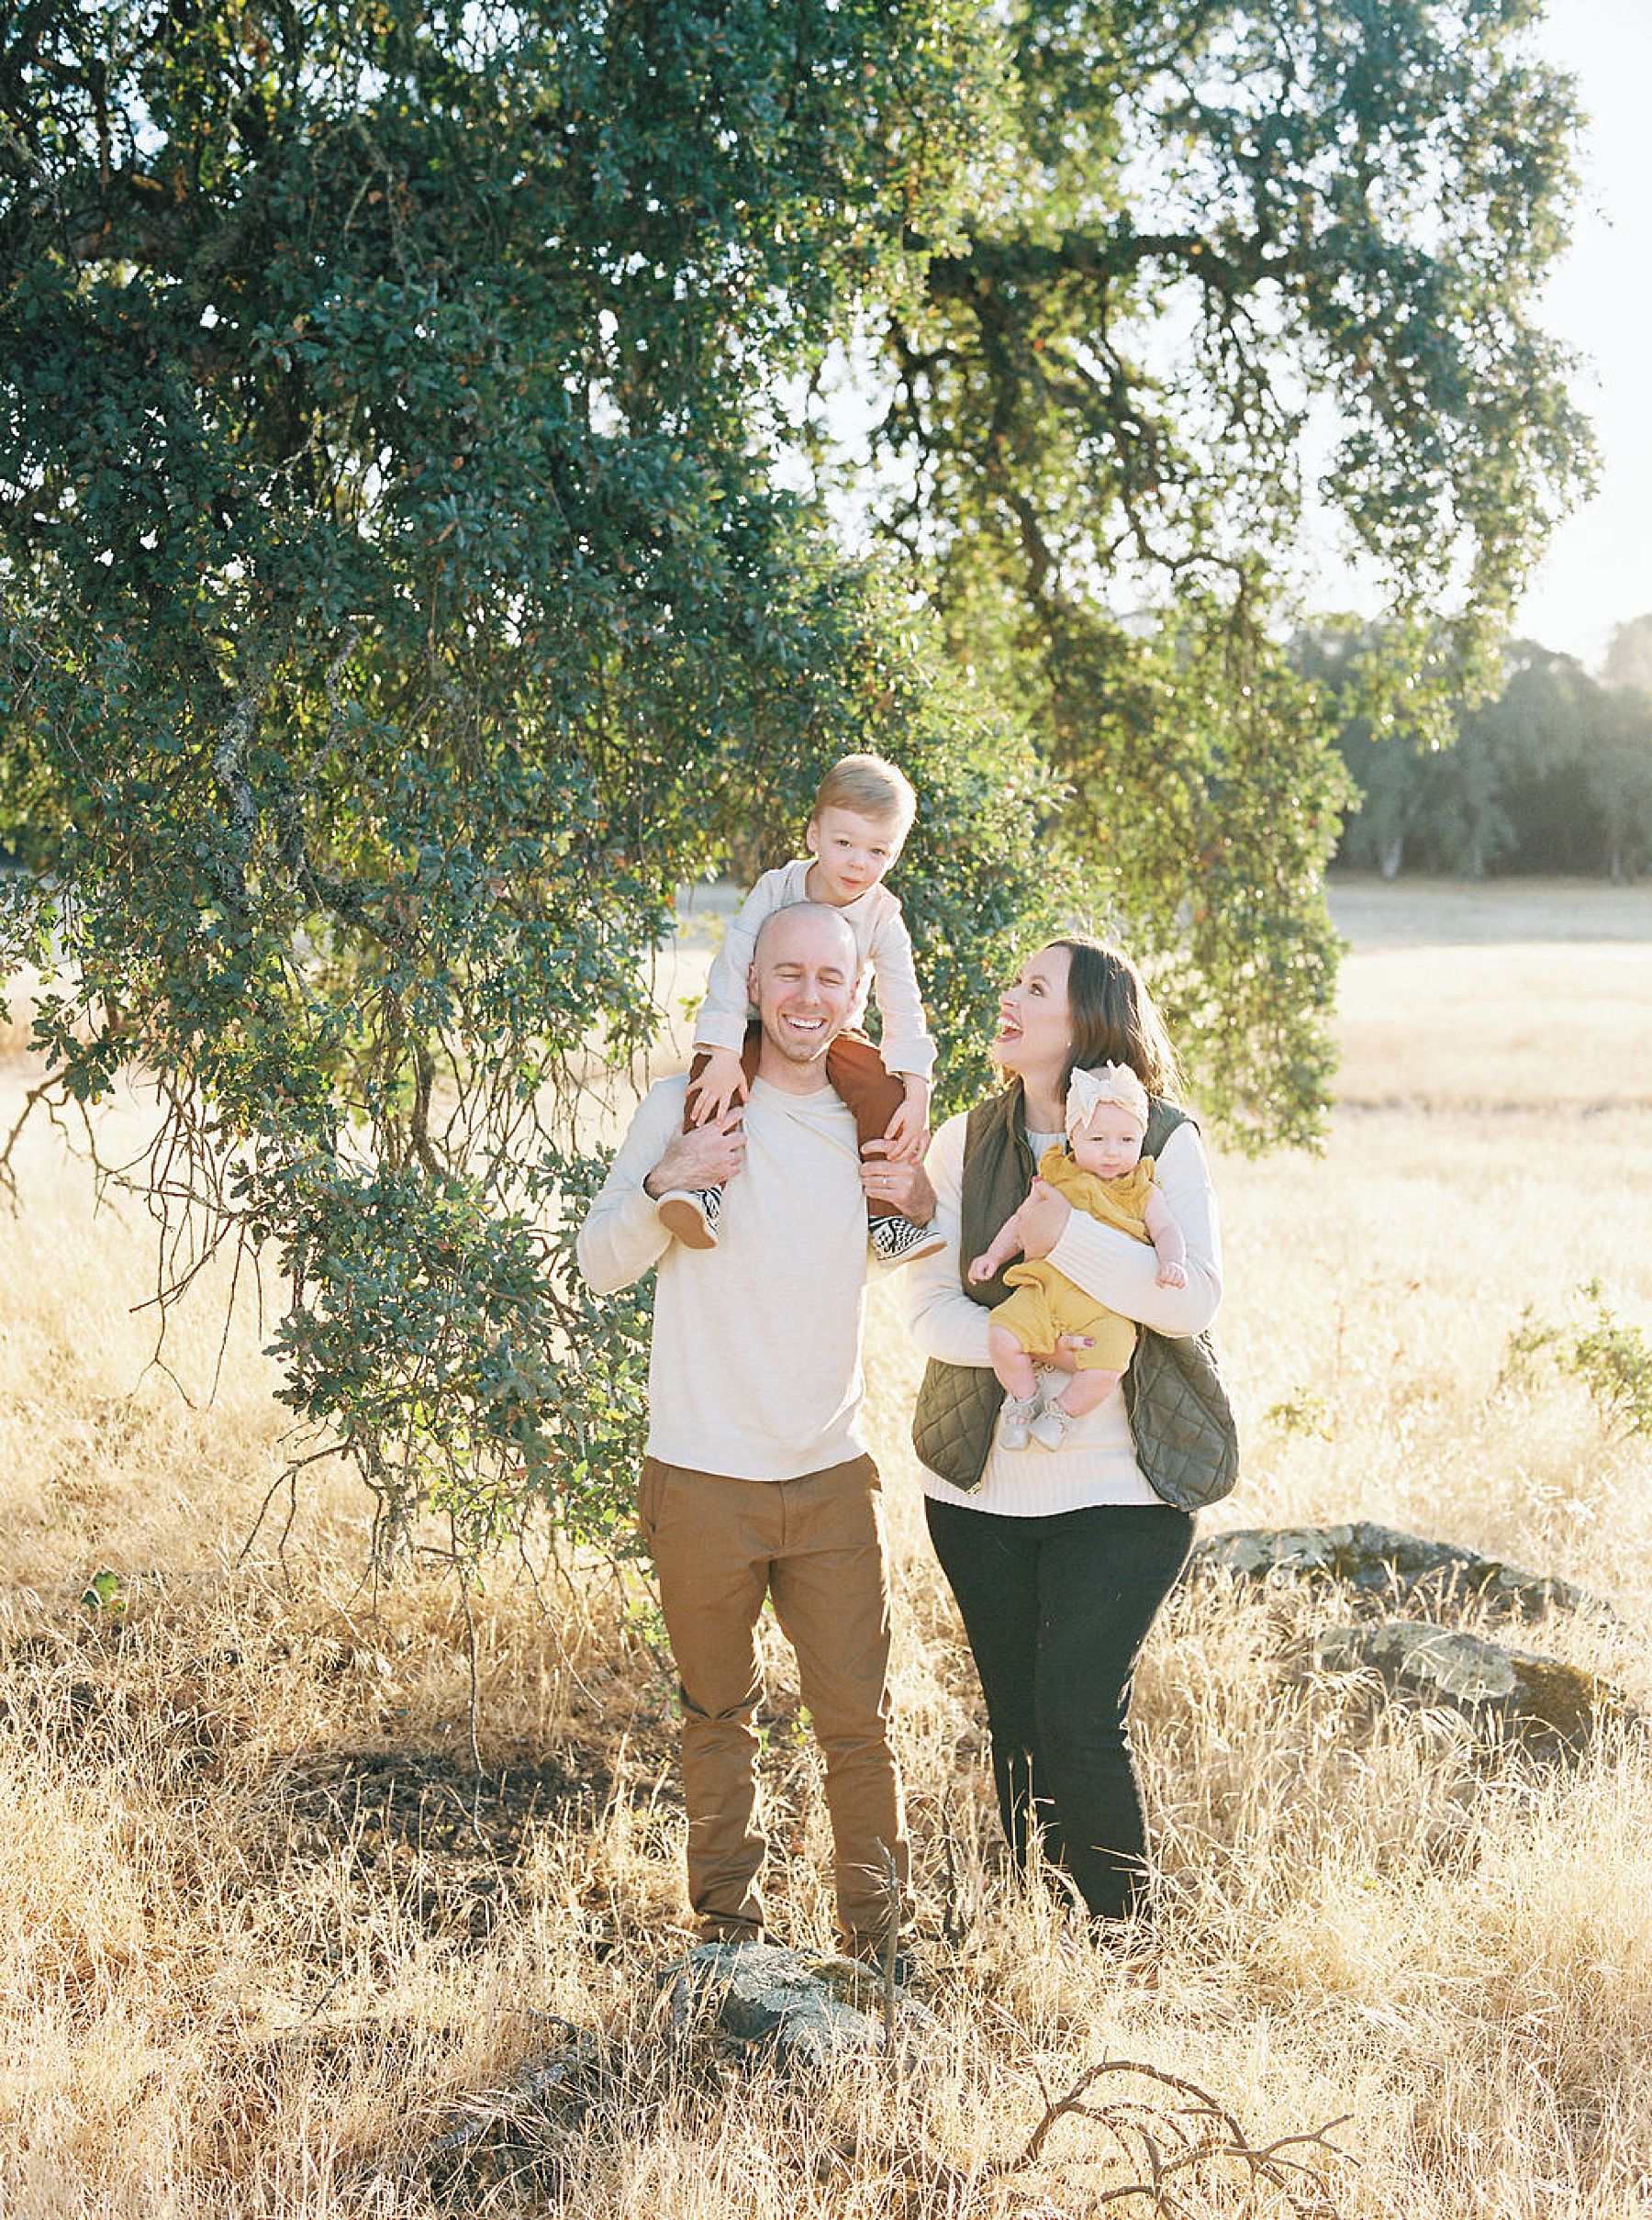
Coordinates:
(260, 1943)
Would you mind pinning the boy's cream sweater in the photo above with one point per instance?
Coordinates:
(754, 1370)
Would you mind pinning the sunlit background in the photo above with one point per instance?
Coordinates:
(1597, 573)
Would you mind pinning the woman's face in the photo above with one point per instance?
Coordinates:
(1035, 1030)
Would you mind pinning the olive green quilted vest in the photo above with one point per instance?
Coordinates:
(1186, 1439)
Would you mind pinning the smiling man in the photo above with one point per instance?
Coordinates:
(757, 1483)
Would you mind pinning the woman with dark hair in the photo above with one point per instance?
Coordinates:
(1059, 1557)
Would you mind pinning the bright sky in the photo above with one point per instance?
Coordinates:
(1598, 572)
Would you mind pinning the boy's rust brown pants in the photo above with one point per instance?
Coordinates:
(815, 1545)
(871, 1094)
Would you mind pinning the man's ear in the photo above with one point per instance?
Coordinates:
(752, 994)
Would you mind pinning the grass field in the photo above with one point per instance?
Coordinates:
(260, 1941)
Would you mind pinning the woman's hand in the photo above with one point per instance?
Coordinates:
(1063, 1358)
(1043, 1219)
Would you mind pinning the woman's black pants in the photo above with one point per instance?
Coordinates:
(1057, 1611)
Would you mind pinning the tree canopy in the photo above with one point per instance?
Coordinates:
(1247, 276)
(402, 595)
(1234, 254)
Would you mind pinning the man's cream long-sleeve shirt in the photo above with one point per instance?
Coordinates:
(754, 1369)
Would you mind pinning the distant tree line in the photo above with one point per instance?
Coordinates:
(1553, 775)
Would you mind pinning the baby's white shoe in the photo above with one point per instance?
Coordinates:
(1051, 1426)
(1018, 1418)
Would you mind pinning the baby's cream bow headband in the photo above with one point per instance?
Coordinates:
(1106, 1083)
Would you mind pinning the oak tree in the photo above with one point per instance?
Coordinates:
(402, 596)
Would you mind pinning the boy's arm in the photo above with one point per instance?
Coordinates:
(1167, 1238)
(908, 1130)
(721, 1085)
(721, 1022)
(907, 1050)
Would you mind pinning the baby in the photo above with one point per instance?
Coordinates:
(1103, 1172)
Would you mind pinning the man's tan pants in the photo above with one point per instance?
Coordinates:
(815, 1544)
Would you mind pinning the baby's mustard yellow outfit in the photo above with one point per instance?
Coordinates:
(1047, 1304)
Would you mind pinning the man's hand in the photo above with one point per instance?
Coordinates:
(902, 1190)
(1043, 1219)
(721, 1087)
(710, 1155)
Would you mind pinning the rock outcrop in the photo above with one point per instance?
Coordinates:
(1542, 1701)
(813, 2011)
(1502, 1691)
(1381, 1563)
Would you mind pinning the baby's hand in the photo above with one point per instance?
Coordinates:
(982, 1267)
(1171, 1273)
(908, 1134)
(720, 1086)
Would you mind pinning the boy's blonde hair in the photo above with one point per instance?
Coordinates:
(871, 787)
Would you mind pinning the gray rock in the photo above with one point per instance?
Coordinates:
(558, 2087)
(1382, 1562)
(814, 2011)
(1536, 1700)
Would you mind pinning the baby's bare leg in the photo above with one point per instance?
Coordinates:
(1011, 1363)
(1088, 1391)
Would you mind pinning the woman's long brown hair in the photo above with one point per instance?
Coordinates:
(1114, 1016)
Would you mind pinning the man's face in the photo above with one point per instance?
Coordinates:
(802, 980)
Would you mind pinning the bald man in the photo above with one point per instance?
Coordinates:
(757, 1483)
